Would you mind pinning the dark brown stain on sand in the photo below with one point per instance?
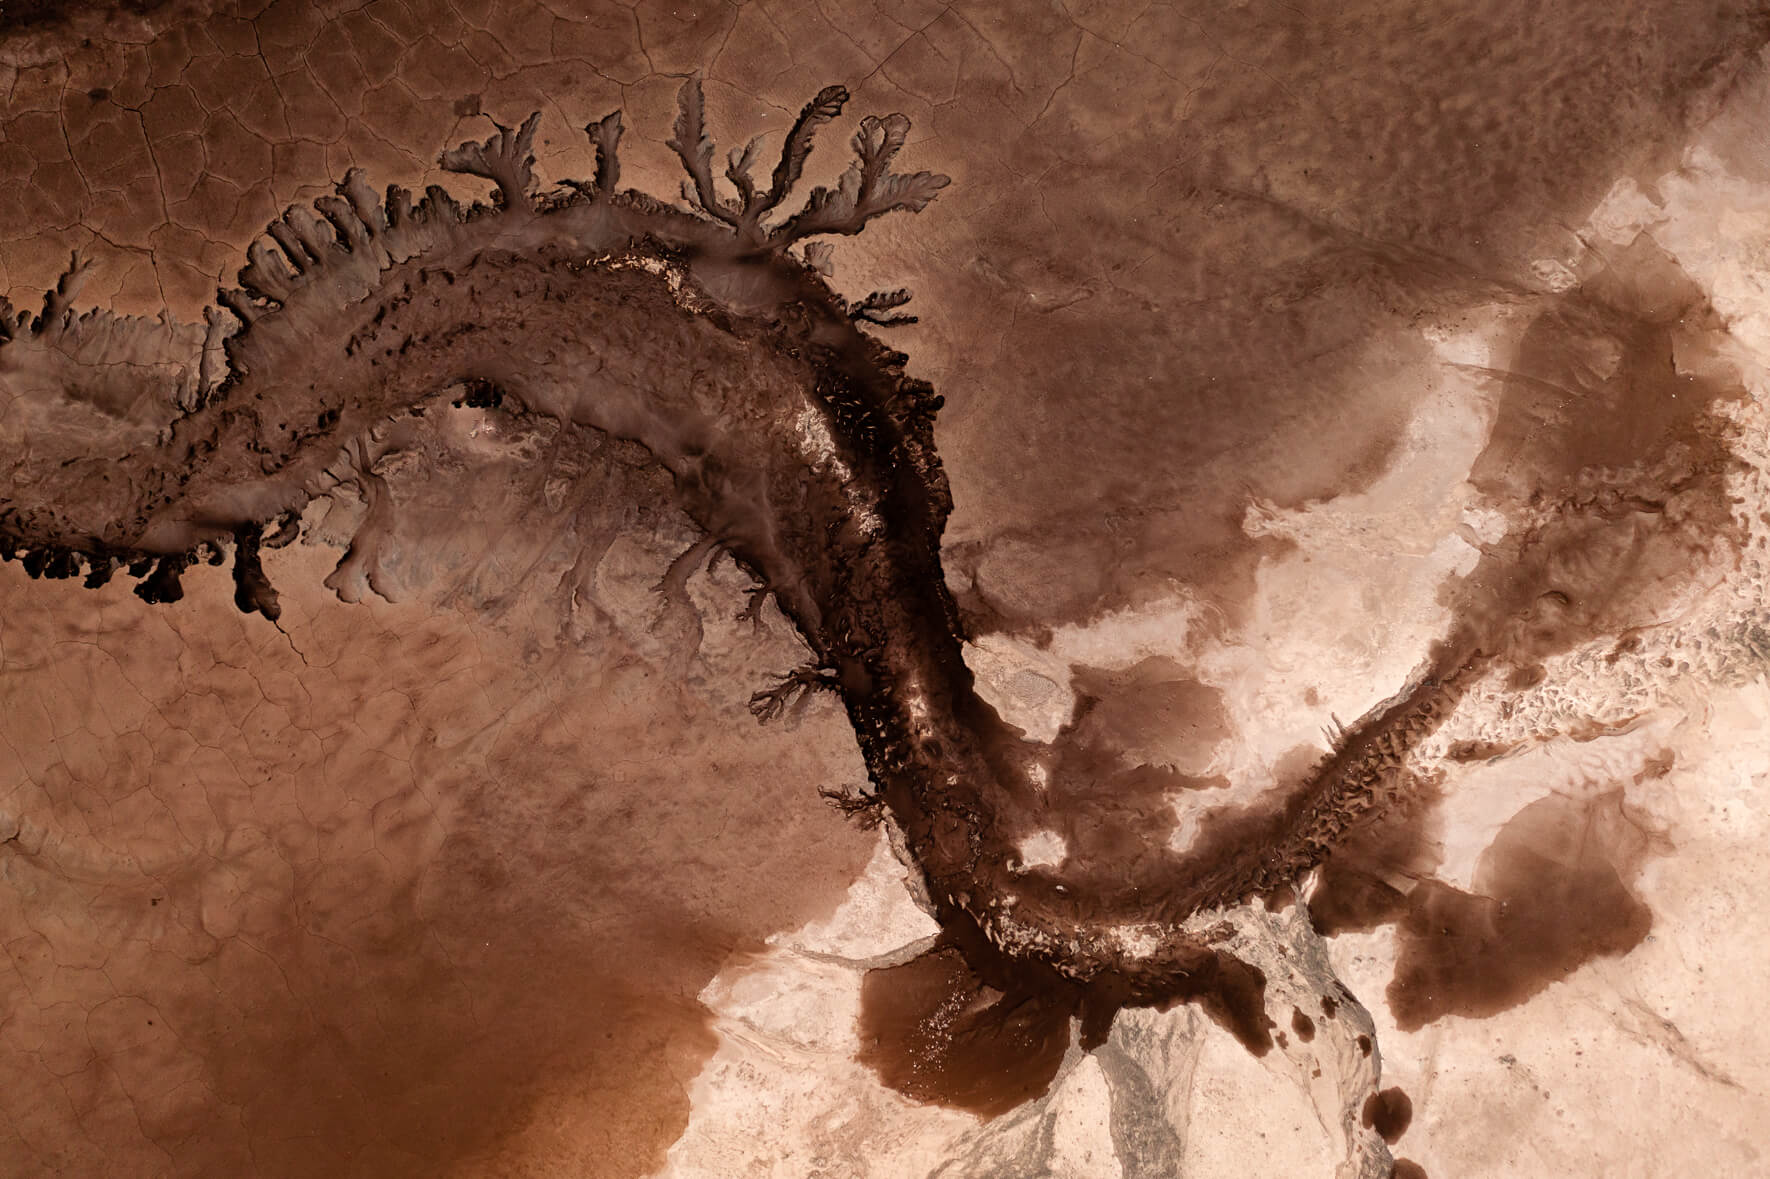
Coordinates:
(1470, 750)
(1407, 1169)
(1613, 374)
(1607, 458)
(1388, 1112)
(1302, 1025)
(1233, 993)
(1551, 894)
(1277, 269)
(933, 1030)
(959, 1026)
(1136, 739)
(1155, 712)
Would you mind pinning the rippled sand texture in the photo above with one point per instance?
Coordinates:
(1369, 398)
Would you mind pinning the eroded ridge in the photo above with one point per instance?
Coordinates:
(794, 439)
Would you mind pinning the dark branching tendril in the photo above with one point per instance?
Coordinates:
(868, 188)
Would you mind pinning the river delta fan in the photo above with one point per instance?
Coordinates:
(794, 439)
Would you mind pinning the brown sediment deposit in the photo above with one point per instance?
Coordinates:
(933, 1030)
(1605, 449)
(1388, 1112)
(1549, 895)
(806, 454)
(1302, 1025)
(698, 358)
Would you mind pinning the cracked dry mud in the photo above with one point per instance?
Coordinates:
(1264, 369)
